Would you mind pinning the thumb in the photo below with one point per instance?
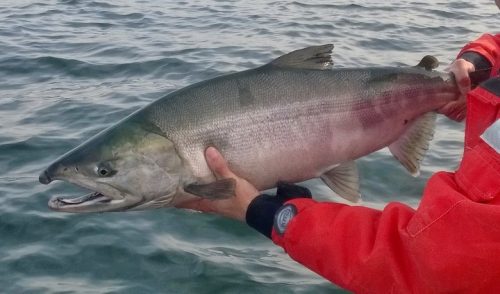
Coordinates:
(218, 164)
(464, 83)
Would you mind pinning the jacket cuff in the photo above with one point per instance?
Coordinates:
(260, 213)
(481, 65)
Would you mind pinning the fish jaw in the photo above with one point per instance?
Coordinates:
(125, 167)
(92, 202)
(104, 198)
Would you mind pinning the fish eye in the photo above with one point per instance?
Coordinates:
(104, 170)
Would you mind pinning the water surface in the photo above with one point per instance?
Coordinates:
(70, 68)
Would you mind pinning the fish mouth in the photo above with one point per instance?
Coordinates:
(79, 204)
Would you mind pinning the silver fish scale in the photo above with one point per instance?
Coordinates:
(273, 118)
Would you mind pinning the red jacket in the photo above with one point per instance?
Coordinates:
(488, 46)
(451, 243)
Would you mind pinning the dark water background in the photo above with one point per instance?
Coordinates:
(70, 68)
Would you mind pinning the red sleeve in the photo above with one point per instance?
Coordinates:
(339, 241)
(449, 244)
(487, 46)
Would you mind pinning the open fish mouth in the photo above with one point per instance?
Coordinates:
(62, 203)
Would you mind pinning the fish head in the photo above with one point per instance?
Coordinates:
(128, 167)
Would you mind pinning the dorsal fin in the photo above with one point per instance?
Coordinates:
(428, 62)
(314, 57)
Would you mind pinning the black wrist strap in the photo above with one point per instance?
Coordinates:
(481, 65)
(260, 213)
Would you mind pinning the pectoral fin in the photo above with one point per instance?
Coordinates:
(344, 180)
(410, 148)
(221, 189)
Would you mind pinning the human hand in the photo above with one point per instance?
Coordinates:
(234, 207)
(461, 69)
(456, 109)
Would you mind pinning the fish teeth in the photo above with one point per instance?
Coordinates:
(79, 200)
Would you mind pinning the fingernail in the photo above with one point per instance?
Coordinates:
(210, 153)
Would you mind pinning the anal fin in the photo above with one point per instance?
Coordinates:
(344, 180)
(221, 189)
(410, 148)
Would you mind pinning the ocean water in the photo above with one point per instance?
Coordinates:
(70, 68)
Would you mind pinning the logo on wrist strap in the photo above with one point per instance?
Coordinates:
(283, 217)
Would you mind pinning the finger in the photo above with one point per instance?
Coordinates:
(462, 78)
(217, 163)
(461, 69)
(197, 204)
(464, 84)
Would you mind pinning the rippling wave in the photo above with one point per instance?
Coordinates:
(70, 68)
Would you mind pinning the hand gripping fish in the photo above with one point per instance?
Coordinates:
(290, 120)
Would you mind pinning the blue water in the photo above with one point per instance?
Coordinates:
(70, 68)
